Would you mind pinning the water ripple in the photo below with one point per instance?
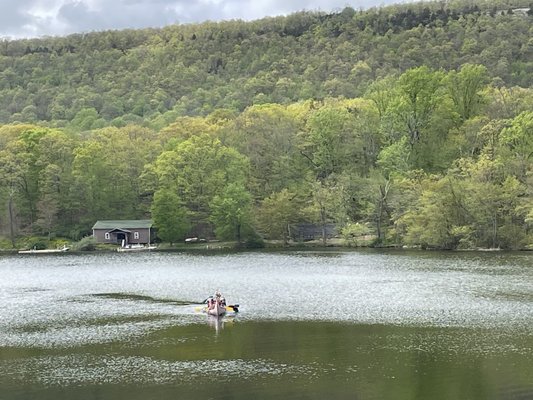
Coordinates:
(86, 369)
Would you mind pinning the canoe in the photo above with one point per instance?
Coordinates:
(44, 251)
(136, 248)
(218, 310)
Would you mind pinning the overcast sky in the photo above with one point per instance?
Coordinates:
(34, 18)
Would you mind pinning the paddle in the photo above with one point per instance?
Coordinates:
(234, 307)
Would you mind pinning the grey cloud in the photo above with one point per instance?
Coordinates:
(145, 2)
(78, 16)
(13, 16)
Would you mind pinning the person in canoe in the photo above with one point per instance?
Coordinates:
(216, 305)
(210, 302)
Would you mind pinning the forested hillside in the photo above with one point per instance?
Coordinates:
(410, 124)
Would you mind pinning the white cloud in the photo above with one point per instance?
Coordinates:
(23, 18)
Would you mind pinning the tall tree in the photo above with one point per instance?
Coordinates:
(418, 91)
(231, 212)
(169, 216)
(49, 204)
(268, 136)
(517, 144)
(465, 88)
(277, 212)
(199, 168)
(12, 184)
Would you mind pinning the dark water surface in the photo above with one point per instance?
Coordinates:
(313, 325)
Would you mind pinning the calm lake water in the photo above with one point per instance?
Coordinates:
(312, 325)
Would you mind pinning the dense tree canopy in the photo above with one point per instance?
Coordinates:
(151, 76)
(409, 124)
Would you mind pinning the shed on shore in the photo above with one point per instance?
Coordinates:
(124, 232)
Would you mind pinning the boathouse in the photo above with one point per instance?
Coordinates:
(124, 232)
(306, 232)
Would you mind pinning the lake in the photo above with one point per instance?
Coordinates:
(313, 324)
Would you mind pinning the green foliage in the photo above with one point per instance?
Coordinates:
(465, 88)
(356, 234)
(88, 243)
(199, 168)
(419, 95)
(394, 159)
(34, 243)
(433, 221)
(170, 218)
(276, 213)
(517, 144)
(268, 136)
(5, 244)
(472, 207)
(101, 79)
(230, 212)
(254, 241)
(234, 128)
(327, 136)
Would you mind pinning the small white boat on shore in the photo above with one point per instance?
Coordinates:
(44, 251)
(136, 247)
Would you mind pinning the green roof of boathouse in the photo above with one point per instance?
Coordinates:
(124, 224)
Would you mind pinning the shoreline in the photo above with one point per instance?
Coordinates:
(211, 247)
